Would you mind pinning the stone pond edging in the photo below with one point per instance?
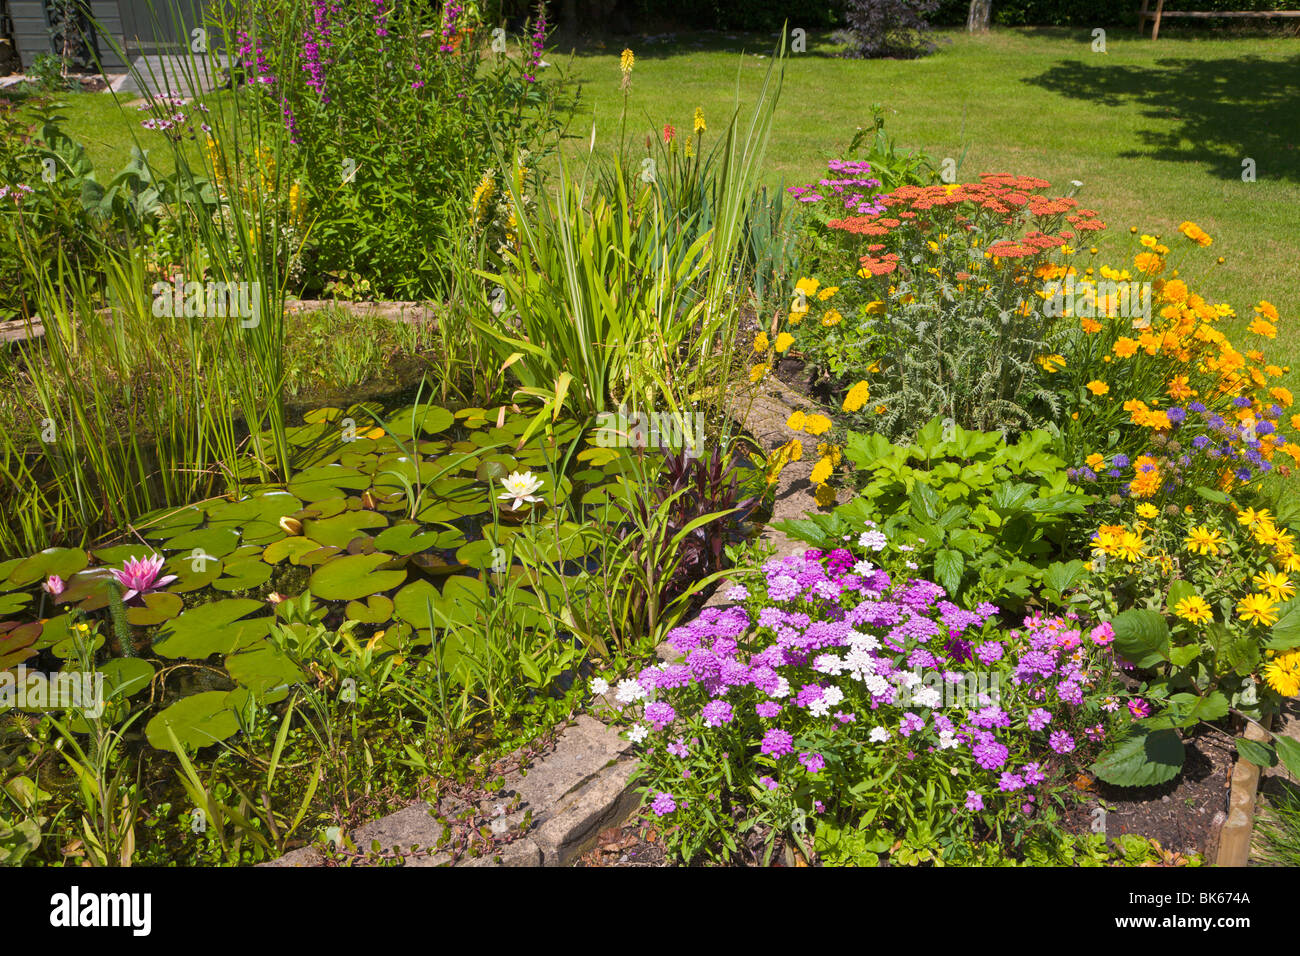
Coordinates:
(584, 784)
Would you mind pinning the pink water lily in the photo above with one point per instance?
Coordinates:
(140, 576)
(53, 585)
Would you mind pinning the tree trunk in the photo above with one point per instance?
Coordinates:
(978, 19)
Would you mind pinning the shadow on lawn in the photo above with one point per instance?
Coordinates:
(1225, 110)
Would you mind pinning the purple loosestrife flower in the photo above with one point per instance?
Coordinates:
(140, 576)
(777, 743)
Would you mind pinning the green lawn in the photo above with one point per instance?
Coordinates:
(1156, 131)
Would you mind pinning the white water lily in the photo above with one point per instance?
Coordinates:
(520, 486)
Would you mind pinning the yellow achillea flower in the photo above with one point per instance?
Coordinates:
(827, 292)
(857, 397)
(760, 342)
(1051, 363)
(795, 421)
(1097, 387)
(1277, 585)
(784, 341)
(1202, 540)
(816, 424)
(832, 317)
(626, 61)
(1194, 609)
(824, 496)
(757, 372)
(1283, 673)
(807, 286)
(699, 120)
(796, 449)
(822, 470)
(1258, 609)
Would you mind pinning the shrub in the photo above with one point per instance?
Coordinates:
(893, 28)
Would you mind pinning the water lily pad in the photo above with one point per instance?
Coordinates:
(322, 482)
(318, 557)
(17, 642)
(427, 419)
(69, 647)
(435, 565)
(477, 554)
(217, 628)
(354, 576)
(125, 677)
(14, 602)
(64, 562)
(413, 602)
(260, 668)
(411, 538)
(157, 606)
(193, 571)
(6, 567)
(327, 508)
(217, 542)
(84, 584)
(168, 522)
(327, 413)
(342, 528)
(198, 720)
(292, 548)
(243, 574)
(375, 609)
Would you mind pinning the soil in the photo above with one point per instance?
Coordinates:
(1183, 815)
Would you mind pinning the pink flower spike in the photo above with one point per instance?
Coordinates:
(140, 576)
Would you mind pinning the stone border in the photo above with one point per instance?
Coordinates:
(584, 785)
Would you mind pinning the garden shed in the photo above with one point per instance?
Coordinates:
(139, 27)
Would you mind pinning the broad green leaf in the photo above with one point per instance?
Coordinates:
(1142, 759)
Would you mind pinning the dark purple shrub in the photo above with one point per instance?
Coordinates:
(892, 28)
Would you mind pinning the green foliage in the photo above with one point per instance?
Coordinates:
(986, 519)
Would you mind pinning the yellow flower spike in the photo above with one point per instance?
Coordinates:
(699, 120)
(626, 61)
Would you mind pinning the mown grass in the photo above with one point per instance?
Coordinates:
(1157, 132)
